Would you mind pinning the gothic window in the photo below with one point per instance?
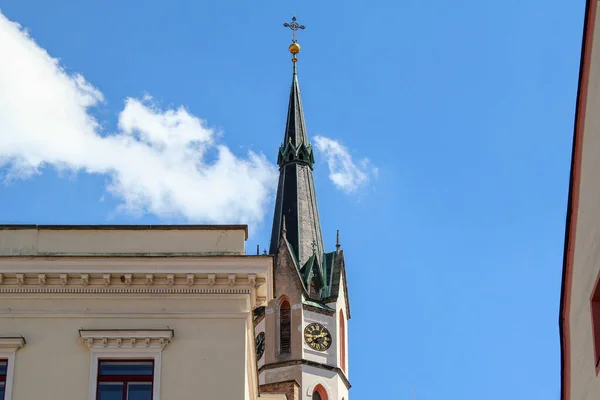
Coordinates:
(342, 341)
(285, 327)
(319, 393)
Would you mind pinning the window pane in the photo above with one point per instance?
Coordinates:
(139, 391)
(3, 365)
(126, 368)
(1, 390)
(110, 391)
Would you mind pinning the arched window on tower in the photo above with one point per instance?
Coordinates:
(319, 393)
(285, 327)
(342, 341)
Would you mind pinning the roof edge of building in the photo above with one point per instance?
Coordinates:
(125, 227)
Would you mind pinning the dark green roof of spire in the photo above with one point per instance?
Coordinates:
(295, 129)
(296, 202)
(295, 146)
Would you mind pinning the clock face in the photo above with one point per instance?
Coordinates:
(317, 337)
(259, 342)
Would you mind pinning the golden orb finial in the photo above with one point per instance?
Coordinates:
(294, 48)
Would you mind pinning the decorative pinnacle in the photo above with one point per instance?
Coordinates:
(314, 246)
(294, 47)
(337, 242)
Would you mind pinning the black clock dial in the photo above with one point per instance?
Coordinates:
(317, 337)
(259, 342)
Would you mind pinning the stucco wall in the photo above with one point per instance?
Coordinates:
(585, 385)
(205, 359)
(340, 304)
(333, 385)
(74, 241)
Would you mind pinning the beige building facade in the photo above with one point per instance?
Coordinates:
(580, 295)
(130, 312)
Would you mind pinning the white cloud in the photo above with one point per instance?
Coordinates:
(156, 161)
(343, 171)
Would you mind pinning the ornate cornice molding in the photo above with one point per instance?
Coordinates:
(126, 339)
(134, 281)
(115, 283)
(135, 273)
(127, 314)
(171, 291)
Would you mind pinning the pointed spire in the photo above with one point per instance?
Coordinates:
(295, 147)
(295, 129)
(296, 213)
(337, 242)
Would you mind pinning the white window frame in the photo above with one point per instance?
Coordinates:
(8, 351)
(124, 344)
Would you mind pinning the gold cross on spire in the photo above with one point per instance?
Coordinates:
(294, 47)
(294, 27)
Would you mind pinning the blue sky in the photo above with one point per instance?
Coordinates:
(453, 231)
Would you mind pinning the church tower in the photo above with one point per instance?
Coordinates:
(301, 335)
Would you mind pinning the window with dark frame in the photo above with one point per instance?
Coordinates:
(285, 327)
(125, 379)
(3, 373)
